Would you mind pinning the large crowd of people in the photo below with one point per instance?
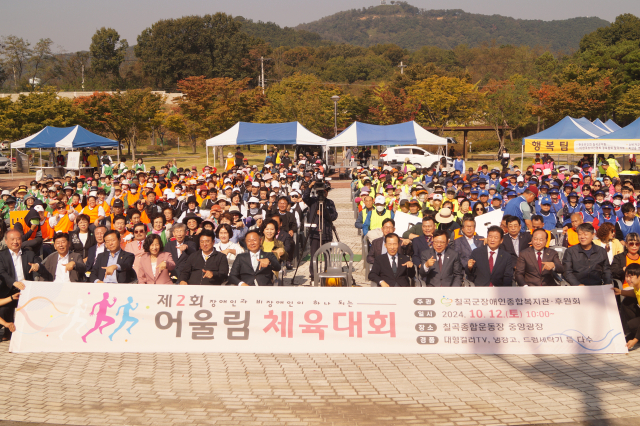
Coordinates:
(124, 223)
(573, 225)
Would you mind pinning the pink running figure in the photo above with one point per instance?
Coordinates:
(101, 316)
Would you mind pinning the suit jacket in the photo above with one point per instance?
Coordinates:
(528, 273)
(419, 245)
(125, 275)
(191, 271)
(75, 276)
(147, 276)
(134, 248)
(242, 270)
(382, 271)
(502, 274)
(376, 250)
(8, 272)
(91, 255)
(171, 247)
(451, 273)
(524, 241)
(461, 245)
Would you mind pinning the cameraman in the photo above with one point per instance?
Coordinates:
(329, 214)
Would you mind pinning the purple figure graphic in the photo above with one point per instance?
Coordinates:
(101, 317)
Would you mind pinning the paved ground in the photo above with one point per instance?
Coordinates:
(309, 389)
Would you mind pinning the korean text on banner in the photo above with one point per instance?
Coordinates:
(611, 146)
(72, 317)
(548, 146)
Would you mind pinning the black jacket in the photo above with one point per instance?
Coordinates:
(8, 272)
(330, 214)
(524, 241)
(242, 270)
(171, 247)
(192, 269)
(382, 271)
(480, 275)
(76, 243)
(125, 275)
(588, 270)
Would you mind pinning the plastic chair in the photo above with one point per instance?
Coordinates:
(365, 253)
(560, 250)
(559, 236)
(332, 255)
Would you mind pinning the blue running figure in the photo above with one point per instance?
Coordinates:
(125, 316)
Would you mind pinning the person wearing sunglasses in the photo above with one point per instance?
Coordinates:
(479, 209)
(136, 246)
(622, 260)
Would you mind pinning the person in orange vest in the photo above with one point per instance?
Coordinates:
(132, 196)
(231, 162)
(571, 238)
(93, 210)
(63, 218)
(102, 201)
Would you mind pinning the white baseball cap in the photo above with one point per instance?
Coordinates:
(380, 200)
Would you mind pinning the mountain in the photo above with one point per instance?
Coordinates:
(411, 28)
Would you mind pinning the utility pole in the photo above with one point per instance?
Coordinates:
(262, 67)
(335, 99)
(402, 67)
(83, 77)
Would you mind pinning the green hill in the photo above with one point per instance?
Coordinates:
(278, 36)
(411, 28)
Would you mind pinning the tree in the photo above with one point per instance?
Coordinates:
(506, 105)
(107, 52)
(628, 107)
(125, 115)
(388, 106)
(17, 53)
(625, 27)
(445, 101)
(211, 46)
(216, 104)
(41, 58)
(306, 99)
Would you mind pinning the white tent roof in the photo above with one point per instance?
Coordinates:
(409, 133)
(242, 133)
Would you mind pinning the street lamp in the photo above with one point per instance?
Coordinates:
(335, 99)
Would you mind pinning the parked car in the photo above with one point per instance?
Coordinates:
(418, 157)
(5, 165)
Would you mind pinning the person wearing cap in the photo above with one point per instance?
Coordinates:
(549, 219)
(496, 203)
(374, 219)
(606, 214)
(590, 213)
(520, 207)
(414, 208)
(628, 223)
(572, 206)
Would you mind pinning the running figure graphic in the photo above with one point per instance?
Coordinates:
(76, 319)
(125, 316)
(101, 317)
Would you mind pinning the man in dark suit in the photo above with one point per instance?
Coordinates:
(97, 248)
(114, 265)
(515, 241)
(490, 265)
(468, 240)
(392, 269)
(179, 248)
(63, 265)
(206, 266)
(254, 267)
(538, 265)
(441, 266)
(15, 266)
(425, 241)
(377, 246)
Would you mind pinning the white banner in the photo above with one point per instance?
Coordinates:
(77, 317)
(487, 220)
(404, 221)
(612, 146)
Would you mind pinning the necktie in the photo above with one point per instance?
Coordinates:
(491, 261)
(440, 261)
(394, 266)
(140, 245)
(429, 239)
(539, 262)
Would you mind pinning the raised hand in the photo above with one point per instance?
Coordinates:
(109, 270)
(69, 266)
(207, 274)
(471, 263)
(19, 285)
(431, 262)
(409, 264)
(162, 266)
(263, 263)
(34, 267)
(548, 266)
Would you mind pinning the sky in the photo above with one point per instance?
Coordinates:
(71, 23)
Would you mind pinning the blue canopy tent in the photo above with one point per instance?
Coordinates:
(292, 133)
(603, 126)
(409, 133)
(560, 137)
(612, 125)
(593, 128)
(68, 138)
(632, 131)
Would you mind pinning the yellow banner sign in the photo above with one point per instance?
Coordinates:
(549, 146)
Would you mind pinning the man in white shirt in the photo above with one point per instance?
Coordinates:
(63, 266)
(16, 266)
(255, 267)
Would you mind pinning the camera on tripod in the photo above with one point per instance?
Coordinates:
(320, 187)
